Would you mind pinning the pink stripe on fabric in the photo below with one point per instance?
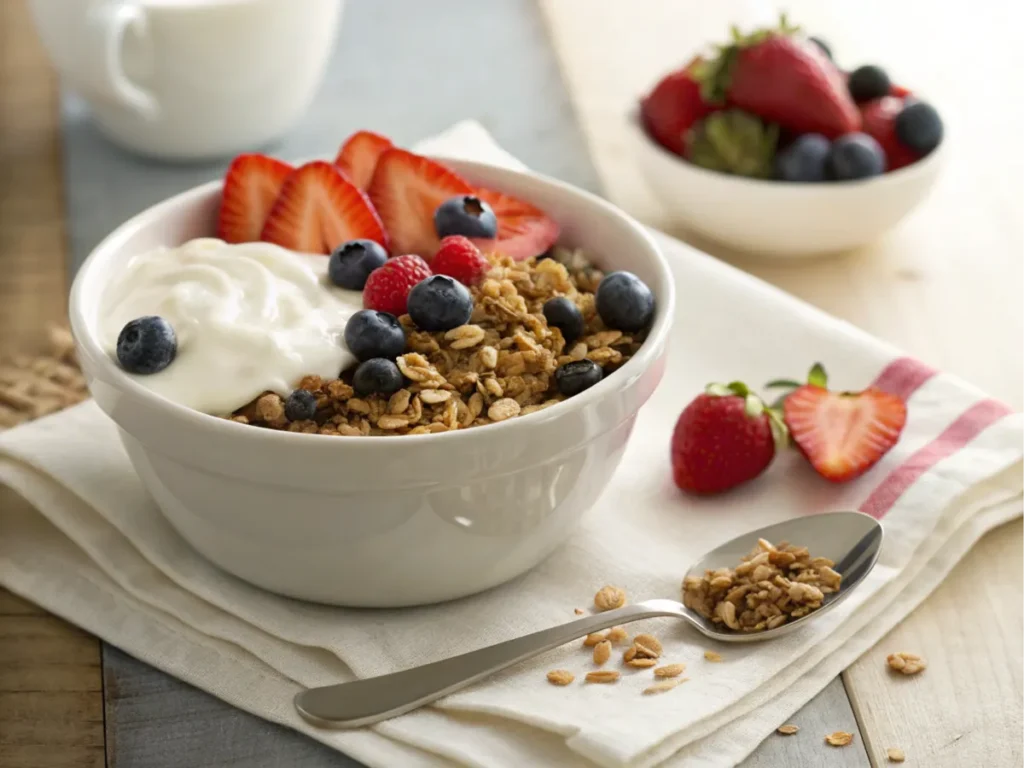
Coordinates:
(968, 426)
(903, 377)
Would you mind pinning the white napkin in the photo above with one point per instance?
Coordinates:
(99, 553)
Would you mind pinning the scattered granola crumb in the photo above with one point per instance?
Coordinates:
(642, 663)
(647, 645)
(788, 729)
(608, 598)
(578, 611)
(906, 663)
(560, 677)
(602, 676)
(593, 639)
(31, 387)
(664, 685)
(772, 585)
(670, 670)
(618, 634)
(629, 654)
(712, 656)
(895, 755)
(602, 652)
(839, 739)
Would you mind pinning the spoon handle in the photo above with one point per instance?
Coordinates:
(362, 702)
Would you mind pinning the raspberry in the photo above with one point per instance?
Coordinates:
(387, 288)
(459, 258)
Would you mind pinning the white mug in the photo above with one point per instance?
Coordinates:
(191, 79)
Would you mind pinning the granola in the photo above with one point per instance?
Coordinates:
(773, 584)
(839, 739)
(560, 677)
(31, 387)
(906, 663)
(498, 366)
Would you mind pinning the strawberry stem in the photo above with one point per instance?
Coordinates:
(817, 377)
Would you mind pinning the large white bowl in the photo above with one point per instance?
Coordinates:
(776, 218)
(379, 521)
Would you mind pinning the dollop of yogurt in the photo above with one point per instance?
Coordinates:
(249, 317)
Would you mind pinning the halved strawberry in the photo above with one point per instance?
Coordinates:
(358, 156)
(842, 434)
(523, 229)
(318, 209)
(251, 186)
(406, 190)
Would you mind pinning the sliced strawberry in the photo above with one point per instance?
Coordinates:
(251, 186)
(318, 209)
(524, 230)
(358, 156)
(843, 434)
(406, 190)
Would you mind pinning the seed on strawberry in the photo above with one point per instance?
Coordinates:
(723, 438)
(459, 258)
(842, 434)
(387, 288)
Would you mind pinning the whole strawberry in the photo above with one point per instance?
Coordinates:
(459, 258)
(673, 107)
(879, 117)
(723, 438)
(387, 288)
(783, 78)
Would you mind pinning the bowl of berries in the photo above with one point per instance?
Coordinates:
(768, 147)
(379, 380)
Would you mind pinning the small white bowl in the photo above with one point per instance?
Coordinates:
(776, 218)
(379, 521)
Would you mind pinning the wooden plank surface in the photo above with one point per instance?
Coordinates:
(51, 696)
(945, 286)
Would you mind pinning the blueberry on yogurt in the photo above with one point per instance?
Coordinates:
(370, 333)
(146, 345)
(624, 302)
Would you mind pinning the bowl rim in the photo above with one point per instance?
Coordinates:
(921, 167)
(86, 337)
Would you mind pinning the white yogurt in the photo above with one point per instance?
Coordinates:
(249, 318)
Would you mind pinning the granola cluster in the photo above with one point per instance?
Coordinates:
(500, 365)
(31, 387)
(773, 584)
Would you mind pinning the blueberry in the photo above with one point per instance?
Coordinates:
(465, 215)
(300, 405)
(377, 375)
(352, 262)
(563, 314)
(624, 302)
(868, 82)
(804, 159)
(572, 378)
(146, 345)
(370, 333)
(439, 303)
(919, 127)
(855, 156)
(823, 45)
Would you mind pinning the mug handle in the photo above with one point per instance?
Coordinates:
(107, 24)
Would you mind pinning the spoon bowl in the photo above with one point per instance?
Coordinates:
(852, 540)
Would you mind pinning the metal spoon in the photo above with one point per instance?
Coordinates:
(851, 539)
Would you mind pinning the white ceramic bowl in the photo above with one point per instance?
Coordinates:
(379, 521)
(781, 219)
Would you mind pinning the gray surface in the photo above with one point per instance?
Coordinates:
(407, 68)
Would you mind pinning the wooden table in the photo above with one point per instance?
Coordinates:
(945, 286)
